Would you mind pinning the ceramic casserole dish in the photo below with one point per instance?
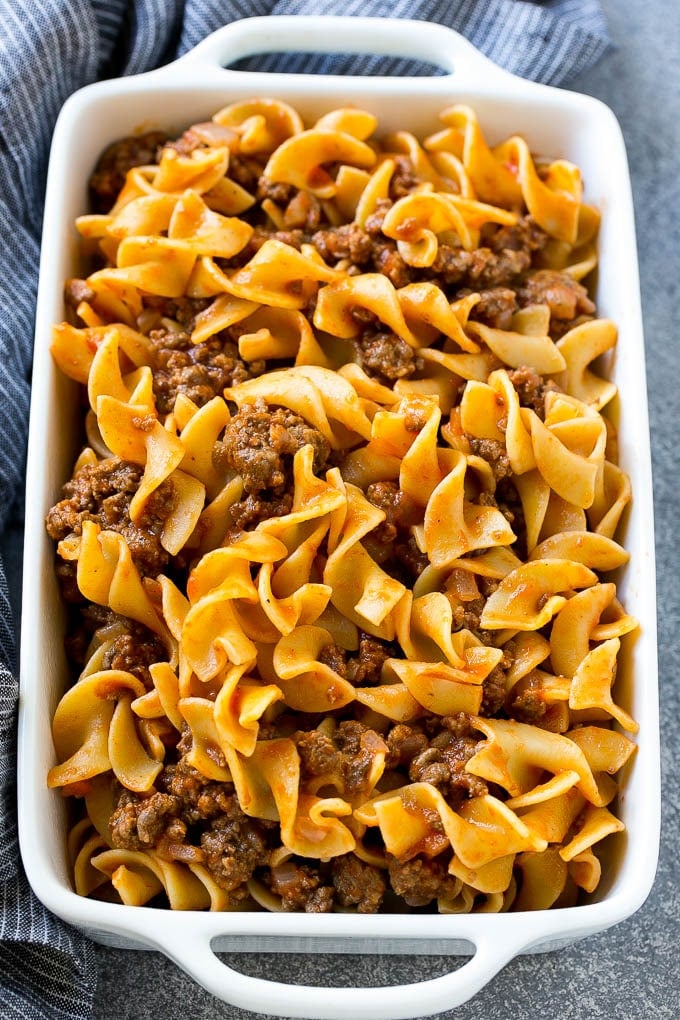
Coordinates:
(554, 122)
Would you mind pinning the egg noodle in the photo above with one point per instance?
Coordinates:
(339, 550)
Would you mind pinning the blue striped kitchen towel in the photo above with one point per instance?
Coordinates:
(48, 49)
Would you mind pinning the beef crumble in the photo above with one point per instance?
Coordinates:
(345, 880)
(401, 510)
(134, 651)
(480, 269)
(109, 174)
(347, 755)
(102, 493)
(495, 307)
(524, 235)
(436, 751)
(358, 884)
(348, 241)
(233, 845)
(199, 371)
(404, 179)
(421, 880)
(526, 701)
(300, 887)
(391, 542)
(494, 453)
(364, 667)
(385, 356)
(247, 513)
(531, 388)
(133, 647)
(260, 444)
(193, 819)
(368, 251)
(565, 297)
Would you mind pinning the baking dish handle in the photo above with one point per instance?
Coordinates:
(196, 956)
(394, 37)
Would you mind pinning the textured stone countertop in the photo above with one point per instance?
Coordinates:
(630, 970)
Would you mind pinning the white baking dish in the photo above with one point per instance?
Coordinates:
(555, 122)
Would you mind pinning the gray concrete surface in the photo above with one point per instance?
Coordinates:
(631, 970)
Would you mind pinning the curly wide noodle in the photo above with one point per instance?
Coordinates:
(246, 616)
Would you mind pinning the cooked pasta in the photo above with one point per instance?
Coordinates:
(340, 549)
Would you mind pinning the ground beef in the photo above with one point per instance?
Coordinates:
(368, 251)
(348, 241)
(390, 542)
(124, 824)
(135, 651)
(566, 298)
(494, 690)
(404, 178)
(109, 174)
(247, 513)
(346, 755)
(385, 356)
(494, 270)
(436, 751)
(495, 307)
(89, 618)
(151, 821)
(194, 819)
(510, 505)
(531, 388)
(234, 846)
(526, 702)
(524, 235)
(374, 222)
(67, 577)
(468, 617)
(260, 444)
(199, 371)
(387, 260)
(300, 887)
(404, 744)
(294, 238)
(358, 884)
(401, 511)
(333, 656)
(198, 798)
(319, 755)
(182, 310)
(102, 493)
(420, 880)
(275, 191)
(494, 453)
(481, 269)
(366, 667)
(358, 744)
(410, 559)
(245, 170)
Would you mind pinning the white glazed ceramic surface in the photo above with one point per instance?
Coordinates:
(556, 123)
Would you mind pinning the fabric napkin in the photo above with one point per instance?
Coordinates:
(48, 49)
